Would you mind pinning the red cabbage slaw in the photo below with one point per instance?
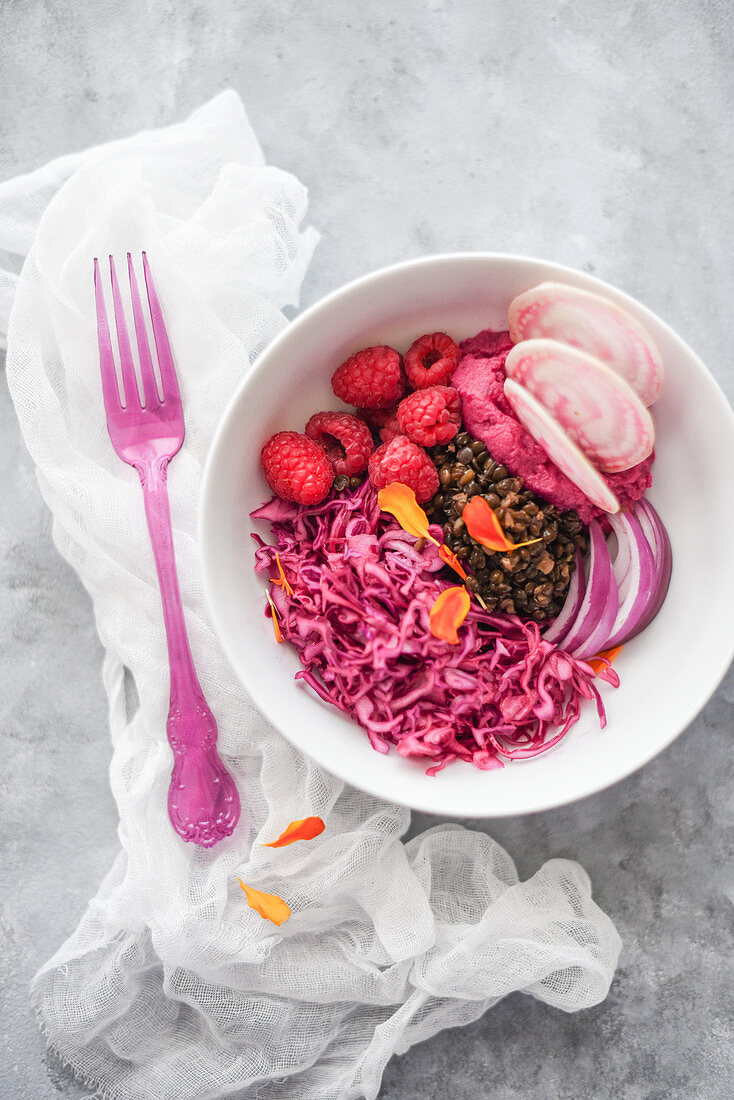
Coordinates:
(358, 617)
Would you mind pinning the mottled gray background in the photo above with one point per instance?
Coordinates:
(596, 134)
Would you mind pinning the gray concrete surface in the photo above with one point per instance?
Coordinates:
(595, 134)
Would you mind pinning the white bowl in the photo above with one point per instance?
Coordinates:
(667, 673)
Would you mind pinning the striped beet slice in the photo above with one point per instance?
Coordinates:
(597, 408)
(559, 447)
(594, 324)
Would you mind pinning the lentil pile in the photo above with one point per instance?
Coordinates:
(531, 582)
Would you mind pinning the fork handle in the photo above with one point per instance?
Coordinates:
(203, 801)
(186, 694)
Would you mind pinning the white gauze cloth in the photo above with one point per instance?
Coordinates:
(172, 987)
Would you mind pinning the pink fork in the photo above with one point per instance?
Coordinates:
(203, 803)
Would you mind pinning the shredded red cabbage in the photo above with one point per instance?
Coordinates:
(363, 590)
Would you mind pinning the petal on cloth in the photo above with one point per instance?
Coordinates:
(167, 968)
(269, 906)
(304, 829)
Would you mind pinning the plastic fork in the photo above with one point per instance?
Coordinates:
(203, 803)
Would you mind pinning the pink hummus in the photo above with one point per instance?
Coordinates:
(488, 416)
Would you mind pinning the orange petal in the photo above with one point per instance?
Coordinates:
(609, 654)
(269, 906)
(305, 829)
(399, 500)
(283, 582)
(484, 527)
(451, 559)
(276, 624)
(448, 613)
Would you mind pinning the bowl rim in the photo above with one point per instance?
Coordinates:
(208, 486)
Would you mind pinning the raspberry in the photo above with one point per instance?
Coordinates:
(430, 416)
(390, 429)
(372, 378)
(384, 422)
(431, 360)
(402, 460)
(346, 439)
(296, 468)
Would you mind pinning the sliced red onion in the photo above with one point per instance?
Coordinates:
(642, 588)
(621, 563)
(567, 615)
(616, 600)
(599, 605)
(655, 533)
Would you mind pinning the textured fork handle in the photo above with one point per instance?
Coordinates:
(203, 803)
(185, 688)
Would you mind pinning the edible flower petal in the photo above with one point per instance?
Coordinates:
(451, 559)
(448, 613)
(599, 662)
(484, 527)
(283, 581)
(276, 623)
(399, 500)
(305, 829)
(269, 906)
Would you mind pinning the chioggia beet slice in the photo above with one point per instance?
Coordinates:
(559, 446)
(594, 324)
(597, 408)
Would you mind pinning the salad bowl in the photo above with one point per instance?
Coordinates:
(667, 673)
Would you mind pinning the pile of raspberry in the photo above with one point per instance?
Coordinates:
(403, 406)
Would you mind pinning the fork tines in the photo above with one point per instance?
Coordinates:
(151, 396)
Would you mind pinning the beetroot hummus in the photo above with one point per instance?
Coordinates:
(488, 416)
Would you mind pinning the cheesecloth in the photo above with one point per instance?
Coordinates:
(171, 987)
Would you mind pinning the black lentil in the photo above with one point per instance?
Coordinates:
(531, 582)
